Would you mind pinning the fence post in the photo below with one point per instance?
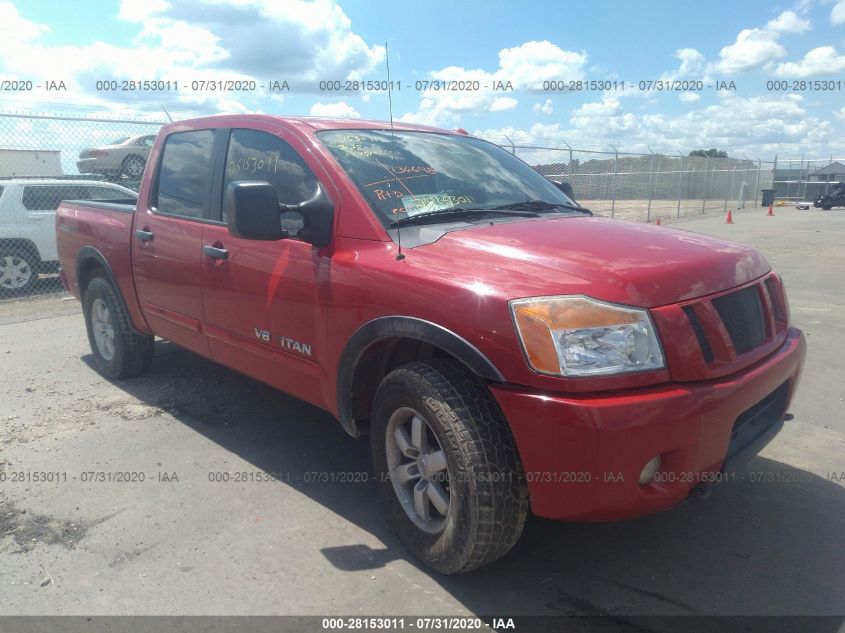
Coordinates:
(650, 186)
(745, 180)
(513, 147)
(680, 185)
(788, 178)
(728, 190)
(757, 182)
(615, 179)
(775, 175)
(704, 190)
(801, 175)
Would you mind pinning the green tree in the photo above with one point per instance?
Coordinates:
(709, 153)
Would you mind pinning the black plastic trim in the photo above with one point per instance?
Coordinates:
(700, 334)
(89, 252)
(402, 327)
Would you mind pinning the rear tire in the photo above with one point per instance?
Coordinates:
(133, 167)
(18, 271)
(464, 499)
(119, 352)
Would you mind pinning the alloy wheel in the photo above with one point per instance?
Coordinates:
(418, 469)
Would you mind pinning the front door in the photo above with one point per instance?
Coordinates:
(167, 248)
(260, 297)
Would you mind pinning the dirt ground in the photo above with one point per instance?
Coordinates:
(175, 533)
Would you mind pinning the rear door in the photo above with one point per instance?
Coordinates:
(261, 301)
(167, 247)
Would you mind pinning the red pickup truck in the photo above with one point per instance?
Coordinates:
(502, 348)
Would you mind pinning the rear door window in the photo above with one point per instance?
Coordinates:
(185, 173)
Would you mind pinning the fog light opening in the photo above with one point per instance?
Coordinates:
(650, 470)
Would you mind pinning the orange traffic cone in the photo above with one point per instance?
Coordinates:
(729, 219)
(658, 221)
(770, 211)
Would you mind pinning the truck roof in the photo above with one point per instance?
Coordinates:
(308, 124)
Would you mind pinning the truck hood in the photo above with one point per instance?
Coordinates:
(614, 260)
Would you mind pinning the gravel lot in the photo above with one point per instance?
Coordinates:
(178, 543)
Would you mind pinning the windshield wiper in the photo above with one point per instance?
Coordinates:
(542, 205)
(460, 212)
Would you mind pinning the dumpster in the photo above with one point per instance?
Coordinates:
(768, 197)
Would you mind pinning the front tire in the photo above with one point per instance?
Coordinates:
(118, 350)
(447, 466)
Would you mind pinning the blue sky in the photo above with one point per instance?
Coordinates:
(524, 43)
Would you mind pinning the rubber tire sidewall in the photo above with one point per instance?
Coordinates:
(102, 288)
(123, 169)
(34, 267)
(435, 549)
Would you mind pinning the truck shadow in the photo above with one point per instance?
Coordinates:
(769, 543)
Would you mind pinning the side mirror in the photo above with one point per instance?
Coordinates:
(566, 188)
(317, 218)
(252, 211)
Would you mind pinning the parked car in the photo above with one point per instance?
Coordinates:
(125, 156)
(501, 347)
(834, 198)
(27, 221)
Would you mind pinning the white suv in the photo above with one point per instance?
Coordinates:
(27, 224)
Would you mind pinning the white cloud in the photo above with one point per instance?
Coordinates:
(15, 29)
(689, 97)
(762, 126)
(692, 62)
(759, 47)
(336, 109)
(788, 22)
(543, 108)
(532, 63)
(753, 48)
(186, 40)
(837, 13)
(823, 60)
(526, 67)
(840, 114)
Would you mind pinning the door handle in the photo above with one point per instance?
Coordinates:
(215, 253)
(144, 235)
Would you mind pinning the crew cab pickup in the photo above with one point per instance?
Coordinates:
(504, 350)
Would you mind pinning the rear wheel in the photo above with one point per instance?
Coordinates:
(17, 272)
(133, 167)
(118, 350)
(447, 466)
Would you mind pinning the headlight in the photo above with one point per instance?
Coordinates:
(579, 336)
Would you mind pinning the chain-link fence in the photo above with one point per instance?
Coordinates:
(644, 187)
(45, 159)
(806, 179)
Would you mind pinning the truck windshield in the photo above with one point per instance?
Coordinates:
(407, 174)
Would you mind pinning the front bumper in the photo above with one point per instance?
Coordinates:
(583, 455)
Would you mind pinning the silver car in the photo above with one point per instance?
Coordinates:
(126, 156)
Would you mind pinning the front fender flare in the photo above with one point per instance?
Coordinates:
(402, 327)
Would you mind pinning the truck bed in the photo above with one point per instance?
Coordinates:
(104, 227)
